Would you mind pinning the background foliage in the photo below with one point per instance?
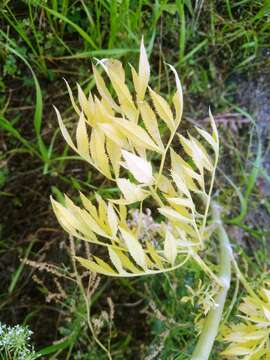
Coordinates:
(221, 52)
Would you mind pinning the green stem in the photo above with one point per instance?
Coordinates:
(211, 324)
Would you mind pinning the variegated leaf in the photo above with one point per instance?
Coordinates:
(139, 168)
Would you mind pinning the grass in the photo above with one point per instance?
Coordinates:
(215, 46)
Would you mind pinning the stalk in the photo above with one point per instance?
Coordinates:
(211, 324)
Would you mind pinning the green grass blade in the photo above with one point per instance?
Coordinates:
(252, 178)
(18, 272)
(76, 27)
(194, 51)
(98, 53)
(56, 347)
(16, 26)
(38, 105)
(182, 33)
(6, 125)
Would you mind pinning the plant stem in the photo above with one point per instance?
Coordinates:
(163, 158)
(86, 300)
(211, 324)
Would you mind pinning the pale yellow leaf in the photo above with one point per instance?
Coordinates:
(180, 183)
(126, 263)
(89, 206)
(182, 202)
(139, 168)
(188, 229)
(170, 248)
(64, 130)
(185, 171)
(173, 215)
(134, 247)
(116, 74)
(163, 109)
(182, 210)
(150, 122)
(177, 98)
(129, 110)
(154, 255)
(122, 214)
(114, 153)
(97, 147)
(136, 81)
(236, 350)
(165, 185)
(104, 265)
(140, 151)
(87, 106)
(82, 138)
(200, 151)
(136, 135)
(69, 140)
(214, 127)
(65, 218)
(113, 134)
(102, 212)
(132, 193)
(245, 334)
(91, 265)
(112, 219)
(72, 98)
(208, 138)
(102, 89)
(70, 219)
(102, 114)
(144, 73)
(107, 107)
(187, 146)
(86, 221)
(266, 313)
(116, 261)
(114, 68)
(182, 237)
(265, 293)
(194, 151)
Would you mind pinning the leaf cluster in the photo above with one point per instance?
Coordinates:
(117, 133)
